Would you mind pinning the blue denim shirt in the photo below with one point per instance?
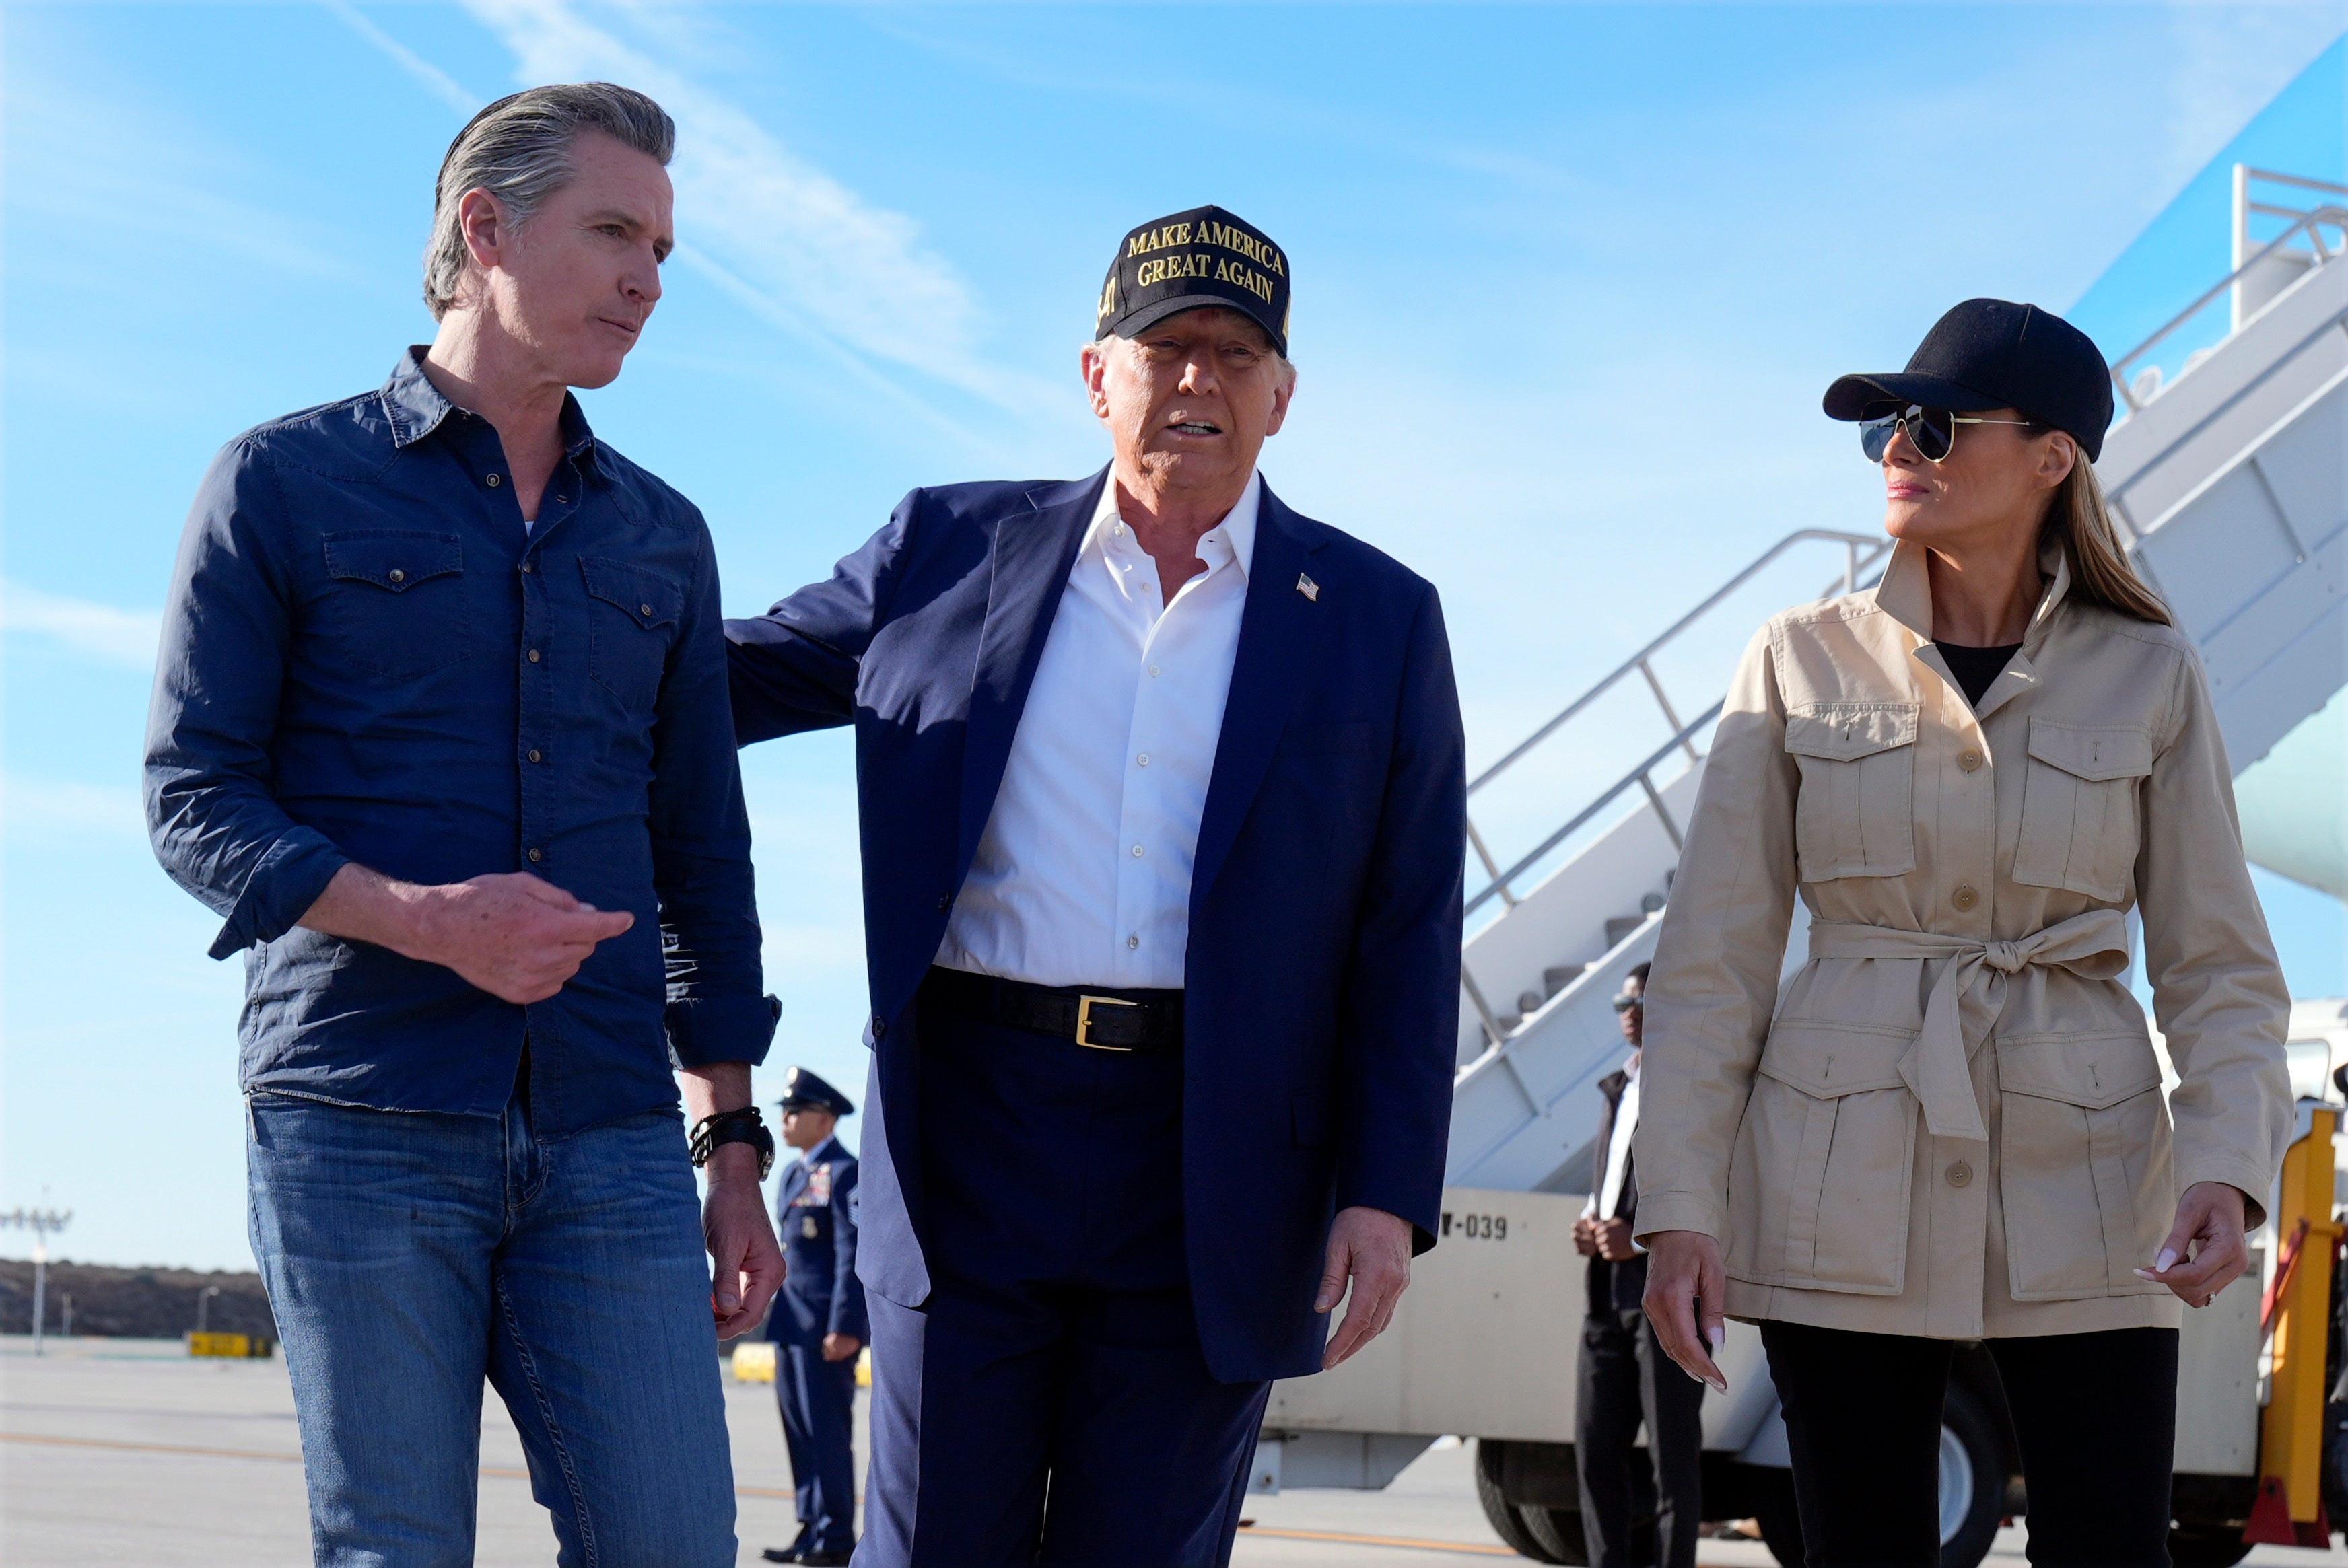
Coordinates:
(367, 657)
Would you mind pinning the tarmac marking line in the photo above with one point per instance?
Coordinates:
(1343, 1538)
(492, 1471)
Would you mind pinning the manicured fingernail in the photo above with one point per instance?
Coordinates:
(2166, 1261)
(1718, 1336)
(2142, 1273)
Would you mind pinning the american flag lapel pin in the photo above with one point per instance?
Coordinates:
(1308, 588)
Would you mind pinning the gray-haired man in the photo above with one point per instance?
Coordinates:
(441, 732)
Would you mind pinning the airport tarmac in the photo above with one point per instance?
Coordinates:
(128, 1454)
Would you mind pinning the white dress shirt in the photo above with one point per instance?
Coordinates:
(1083, 875)
(1618, 1153)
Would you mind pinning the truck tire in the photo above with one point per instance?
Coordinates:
(1558, 1532)
(1973, 1476)
(1506, 1520)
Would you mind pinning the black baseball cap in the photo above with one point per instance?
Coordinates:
(1203, 257)
(1994, 353)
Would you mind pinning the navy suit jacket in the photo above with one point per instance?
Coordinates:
(1323, 982)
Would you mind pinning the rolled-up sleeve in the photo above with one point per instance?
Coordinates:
(219, 670)
(2217, 988)
(717, 1009)
(1715, 980)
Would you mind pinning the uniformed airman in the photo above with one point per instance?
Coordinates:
(817, 1325)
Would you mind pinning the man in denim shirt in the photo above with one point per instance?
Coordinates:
(440, 730)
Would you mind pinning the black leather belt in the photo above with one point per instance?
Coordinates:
(1149, 1022)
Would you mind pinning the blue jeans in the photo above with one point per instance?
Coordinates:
(411, 1255)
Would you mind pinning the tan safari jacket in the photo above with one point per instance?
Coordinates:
(1954, 1125)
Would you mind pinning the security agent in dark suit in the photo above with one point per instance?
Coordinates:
(818, 1322)
(1625, 1377)
(1163, 814)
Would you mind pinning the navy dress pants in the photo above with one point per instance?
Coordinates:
(1049, 1403)
(818, 1400)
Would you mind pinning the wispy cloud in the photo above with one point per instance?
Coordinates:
(823, 262)
(431, 77)
(101, 631)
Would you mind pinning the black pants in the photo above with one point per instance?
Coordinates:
(1625, 1380)
(2096, 1415)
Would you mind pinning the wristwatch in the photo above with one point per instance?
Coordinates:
(742, 1126)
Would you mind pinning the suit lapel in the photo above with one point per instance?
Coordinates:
(1030, 561)
(1279, 641)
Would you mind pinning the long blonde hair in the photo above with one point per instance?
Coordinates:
(2081, 522)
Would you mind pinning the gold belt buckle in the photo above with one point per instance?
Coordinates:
(1085, 1021)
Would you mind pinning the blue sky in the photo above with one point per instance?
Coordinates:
(1569, 282)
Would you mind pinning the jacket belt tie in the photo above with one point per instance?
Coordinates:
(1970, 995)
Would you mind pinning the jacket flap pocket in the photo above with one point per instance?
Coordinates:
(2093, 1071)
(2095, 752)
(392, 558)
(1845, 732)
(650, 598)
(1826, 1060)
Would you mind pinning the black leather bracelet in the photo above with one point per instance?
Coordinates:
(740, 1126)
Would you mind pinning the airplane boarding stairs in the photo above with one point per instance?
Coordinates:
(2230, 486)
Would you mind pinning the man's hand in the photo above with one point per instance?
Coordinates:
(1585, 1236)
(1371, 1247)
(841, 1346)
(746, 1264)
(1613, 1240)
(1686, 1286)
(517, 936)
(2209, 1230)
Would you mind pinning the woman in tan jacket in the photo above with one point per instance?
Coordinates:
(1953, 1126)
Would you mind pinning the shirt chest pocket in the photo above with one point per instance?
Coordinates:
(632, 614)
(395, 603)
(2079, 805)
(1855, 814)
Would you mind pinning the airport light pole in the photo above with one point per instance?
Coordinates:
(203, 1306)
(44, 1224)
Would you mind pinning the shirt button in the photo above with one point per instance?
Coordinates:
(533, 756)
(530, 566)
(397, 575)
(534, 655)
(944, 902)
(1969, 759)
(1136, 852)
(565, 499)
(1132, 942)
(1965, 898)
(1153, 671)
(1143, 759)
(495, 480)
(880, 1026)
(1959, 1173)
(643, 609)
(536, 856)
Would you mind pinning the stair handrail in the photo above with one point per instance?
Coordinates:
(1861, 552)
(2325, 217)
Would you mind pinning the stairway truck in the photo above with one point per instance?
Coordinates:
(1485, 1345)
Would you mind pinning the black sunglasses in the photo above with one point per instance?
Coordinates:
(1624, 1004)
(1931, 431)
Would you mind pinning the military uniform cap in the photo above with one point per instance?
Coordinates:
(1204, 257)
(801, 1087)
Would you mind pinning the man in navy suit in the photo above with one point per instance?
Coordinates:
(817, 1325)
(1163, 823)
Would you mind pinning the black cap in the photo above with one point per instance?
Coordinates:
(1202, 257)
(1994, 353)
(801, 1087)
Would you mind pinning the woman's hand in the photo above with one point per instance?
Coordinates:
(1685, 1288)
(2209, 1229)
